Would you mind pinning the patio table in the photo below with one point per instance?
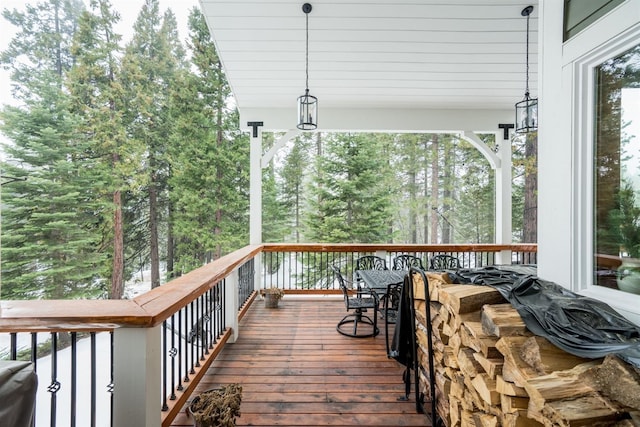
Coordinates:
(379, 281)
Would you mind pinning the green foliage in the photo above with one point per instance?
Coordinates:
(50, 233)
(347, 205)
(209, 159)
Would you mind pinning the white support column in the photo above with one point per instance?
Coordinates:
(503, 198)
(255, 189)
(232, 304)
(257, 272)
(137, 377)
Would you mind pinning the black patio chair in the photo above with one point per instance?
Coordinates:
(357, 305)
(444, 262)
(371, 262)
(405, 262)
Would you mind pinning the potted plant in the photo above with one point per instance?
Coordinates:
(217, 407)
(272, 296)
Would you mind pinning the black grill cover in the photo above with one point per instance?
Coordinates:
(18, 386)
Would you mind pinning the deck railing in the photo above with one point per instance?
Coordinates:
(305, 267)
(164, 340)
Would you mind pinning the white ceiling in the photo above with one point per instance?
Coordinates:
(374, 55)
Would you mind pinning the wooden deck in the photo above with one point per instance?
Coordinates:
(296, 370)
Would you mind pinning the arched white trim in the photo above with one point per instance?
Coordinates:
(487, 152)
(278, 145)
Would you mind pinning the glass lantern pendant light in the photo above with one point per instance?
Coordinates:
(527, 109)
(307, 104)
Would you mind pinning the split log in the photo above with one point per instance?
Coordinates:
(468, 364)
(519, 419)
(485, 386)
(616, 380)
(511, 404)
(492, 367)
(457, 385)
(466, 419)
(509, 388)
(454, 411)
(502, 320)
(436, 282)
(468, 298)
(485, 420)
(539, 352)
(587, 410)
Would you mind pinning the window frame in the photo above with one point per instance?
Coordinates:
(583, 203)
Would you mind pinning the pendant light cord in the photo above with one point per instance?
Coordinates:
(526, 92)
(307, 54)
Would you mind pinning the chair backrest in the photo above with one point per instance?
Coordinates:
(444, 262)
(371, 262)
(343, 284)
(404, 262)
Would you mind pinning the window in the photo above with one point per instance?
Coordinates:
(616, 170)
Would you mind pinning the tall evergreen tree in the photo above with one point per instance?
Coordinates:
(49, 232)
(293, 175)
(210, 158)
(149, 69)
(97, 97)
(351, 202)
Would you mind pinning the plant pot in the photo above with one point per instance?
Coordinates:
(271, 301)
(216, 407)
(628, 276)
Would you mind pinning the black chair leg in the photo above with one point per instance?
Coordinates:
(357, 319)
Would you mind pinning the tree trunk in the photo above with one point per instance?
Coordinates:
(426, 191)
(413, 213)
(219, 173)
(434, 188)
(530, 220)
(117, 276)
(170, 243)
(153, 225)
(447, 193)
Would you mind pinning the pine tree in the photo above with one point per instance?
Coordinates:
(293, 173)
(209, 157)
(351, 202)
(97, 97)
(149, 69)
(50, 235)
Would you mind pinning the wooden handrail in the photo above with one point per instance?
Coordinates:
(396, 247)
(147, 310)
(157, 305)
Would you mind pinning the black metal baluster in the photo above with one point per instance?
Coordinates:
(164, 367)
(186, 340)
(179, 362)
(34, 360)
(198, 337)
(13, 352)
(94, 382)
(173, 353)
(192, 335)
(202, 333)
(74, 377)
(111, 383)
(223, 305)
(211, 322)
(55, 385)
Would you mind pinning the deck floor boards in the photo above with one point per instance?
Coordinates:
(296, 370)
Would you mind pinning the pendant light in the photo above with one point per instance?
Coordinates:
(527, 109)
(307, 104)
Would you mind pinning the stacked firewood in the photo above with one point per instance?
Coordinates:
(491, 371)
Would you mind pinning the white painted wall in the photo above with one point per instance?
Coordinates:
(566, 144)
